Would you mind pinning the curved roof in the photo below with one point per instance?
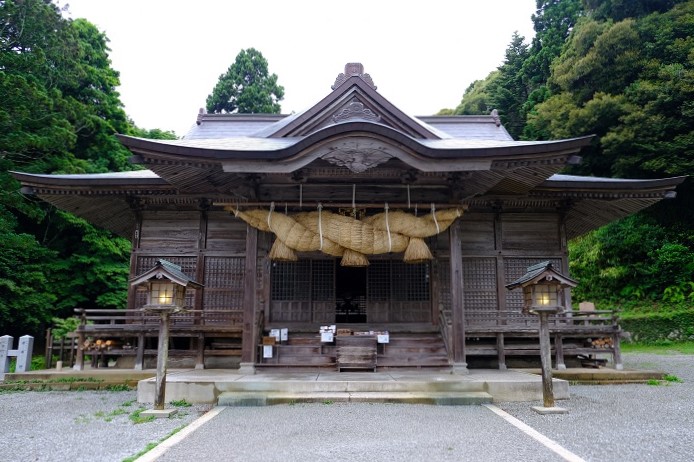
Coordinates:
(351, 139)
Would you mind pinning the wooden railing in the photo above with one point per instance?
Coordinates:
(570, 321)
(104, 333)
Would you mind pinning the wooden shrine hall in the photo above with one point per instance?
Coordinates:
(356, 215)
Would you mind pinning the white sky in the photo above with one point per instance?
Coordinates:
(421, 55)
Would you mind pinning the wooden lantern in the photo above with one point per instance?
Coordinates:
(166, 293)
(543, 288)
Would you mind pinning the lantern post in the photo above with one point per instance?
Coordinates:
(543, 295)
(166, 293)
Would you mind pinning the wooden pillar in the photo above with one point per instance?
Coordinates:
(79, 362)
(501, 351)
(162, 358)
(200, 353)
(617, 352)
(140, 352)
(248, 339)
(559, 352)
(457, 302)
(546, 357)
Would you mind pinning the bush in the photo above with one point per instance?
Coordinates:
(656, 327)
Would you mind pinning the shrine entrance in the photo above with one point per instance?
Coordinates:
(350, 294)
(320, 291)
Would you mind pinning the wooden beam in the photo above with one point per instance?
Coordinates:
(457, 301)
(248, 342)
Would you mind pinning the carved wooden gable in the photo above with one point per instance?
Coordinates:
(354, 99)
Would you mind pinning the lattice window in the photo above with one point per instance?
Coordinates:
(410, 282)
(291, 280)
(378, 281)
(224, 283)
(479, 286)
(323, 280)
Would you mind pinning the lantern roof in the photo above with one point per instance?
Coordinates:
(166, 269)
(539, 272)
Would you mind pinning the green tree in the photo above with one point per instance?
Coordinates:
(59, 112)
(509, 91)
(246, 87)
(477, 99)
(618, 10)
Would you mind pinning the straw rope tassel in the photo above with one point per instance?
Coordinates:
(320, 224)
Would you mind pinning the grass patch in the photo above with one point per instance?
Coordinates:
(136, 418)
(129, 403)
(118, 387)
(328, 401)
(114, 413)
(151, 446)
(653, 382)
(672, 379)
(660, 348)
(180, 403)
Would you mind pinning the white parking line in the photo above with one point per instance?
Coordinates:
(168, 443)
(548, 443)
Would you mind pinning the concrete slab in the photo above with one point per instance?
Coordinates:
(159, 414)
(549, 410)
(206, 386)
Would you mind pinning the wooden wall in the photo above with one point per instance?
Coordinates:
(497, 248)
(210, 246)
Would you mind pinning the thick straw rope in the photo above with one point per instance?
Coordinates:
(333, 234)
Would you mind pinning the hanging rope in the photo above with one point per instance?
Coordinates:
(433, 214)
(354, 203)
(269, 215)
(408, 196)
(320, 224)
(390, 239)
(301, 195)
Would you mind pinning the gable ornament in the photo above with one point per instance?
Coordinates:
(356, 110)
(353, 70)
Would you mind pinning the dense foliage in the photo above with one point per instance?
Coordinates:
(59, 112)
(623, 71)
(246, 87)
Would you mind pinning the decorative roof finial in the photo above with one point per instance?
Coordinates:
(353, 70)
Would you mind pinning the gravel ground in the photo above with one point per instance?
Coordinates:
(79, 426)
(636, 422)
(609, 422)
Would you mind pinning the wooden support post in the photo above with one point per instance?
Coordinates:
(546, 357)
(248, 339)
(48, 360)
(200, 354)
(457, 302)
(140, 353)
(500, 351)
(617, 351)
(79, 363)
(559, 351)
(162, 358)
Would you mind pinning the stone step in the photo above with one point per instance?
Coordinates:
(405, 397)
(353, 382)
